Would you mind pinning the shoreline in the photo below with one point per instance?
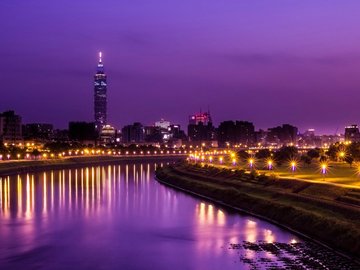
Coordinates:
(31, 166)
(283, 217)
(243, 211)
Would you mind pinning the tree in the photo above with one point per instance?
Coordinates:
(243, 155)
(313, 153)
(333, 151)
(2, 148)
(285, 153)
(35, 153)
(57, 147)
(263, 154)
(306, 159)
(349, 160)
(353, 150)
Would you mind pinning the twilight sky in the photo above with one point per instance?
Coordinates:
(270, 62)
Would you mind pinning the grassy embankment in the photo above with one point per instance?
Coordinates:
(329, 214)
(28, 166)
(339, 173)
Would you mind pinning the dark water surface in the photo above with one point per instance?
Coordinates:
(119, 217)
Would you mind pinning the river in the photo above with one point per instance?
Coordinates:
(120, 217)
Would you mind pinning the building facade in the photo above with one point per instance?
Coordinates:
(200, 128)
(38, 131)
(282, 135)
(10, 127)
(100, 96)
(108, 134)
(238, 132)
(134, 133)
(352, 133)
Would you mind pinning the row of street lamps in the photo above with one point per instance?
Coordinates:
(251, 162)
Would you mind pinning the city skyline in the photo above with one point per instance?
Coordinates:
(241, 60)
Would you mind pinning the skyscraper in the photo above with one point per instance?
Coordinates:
(100, 101)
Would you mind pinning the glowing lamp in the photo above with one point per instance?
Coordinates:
(323, 168)
(251, 163)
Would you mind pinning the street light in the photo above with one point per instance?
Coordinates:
(323, 169)
(270, 164)
(251, 163)
(293, 166)
(234, 161)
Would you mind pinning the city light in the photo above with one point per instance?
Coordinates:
(270, 164)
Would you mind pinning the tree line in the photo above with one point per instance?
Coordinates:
(348, 153)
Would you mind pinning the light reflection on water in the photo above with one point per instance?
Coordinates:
(110, 216)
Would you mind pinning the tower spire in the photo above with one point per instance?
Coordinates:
(100, 66)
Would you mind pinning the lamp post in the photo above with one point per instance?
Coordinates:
(293, 167)
(323, 170)
(251, 163)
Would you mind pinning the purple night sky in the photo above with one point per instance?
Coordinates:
(270, 62)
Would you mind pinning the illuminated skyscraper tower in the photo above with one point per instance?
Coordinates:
(100, 100)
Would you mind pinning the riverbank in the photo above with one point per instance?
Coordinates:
(322, 212)
(30, 166)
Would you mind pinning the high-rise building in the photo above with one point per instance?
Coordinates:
(10, 127)
(100, 100)
(352, 133)
(281, 135)
(37, 131)
(200, 127)
(198, 118)
(133, 133)
(236, 132)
